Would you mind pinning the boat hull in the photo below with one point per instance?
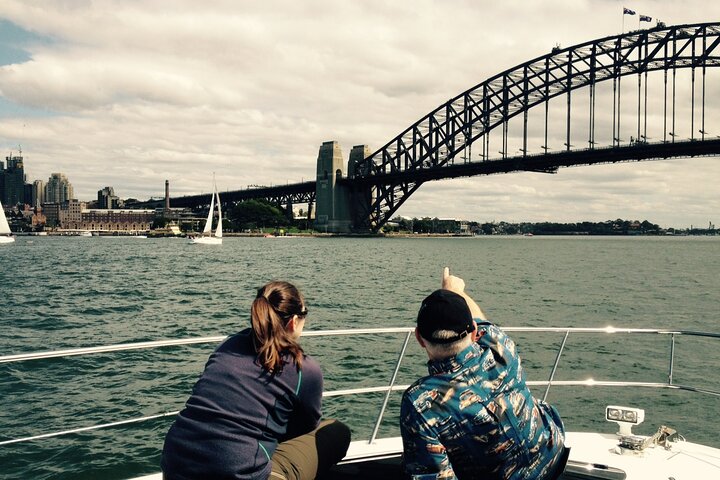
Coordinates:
(6, 239)
(206, 240)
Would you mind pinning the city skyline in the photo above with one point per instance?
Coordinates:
(129, 95)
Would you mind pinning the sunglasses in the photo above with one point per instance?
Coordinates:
(301, 314)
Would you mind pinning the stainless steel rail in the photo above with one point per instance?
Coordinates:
(391, 387)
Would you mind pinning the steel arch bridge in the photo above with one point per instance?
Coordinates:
(378, 184)
(396, 170)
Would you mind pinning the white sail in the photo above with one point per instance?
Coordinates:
(218, 230)
(208, 224)
(4, 226)
(207, 237)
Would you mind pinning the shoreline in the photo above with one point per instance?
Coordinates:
(151, 235)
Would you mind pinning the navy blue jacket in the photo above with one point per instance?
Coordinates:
(238, 412)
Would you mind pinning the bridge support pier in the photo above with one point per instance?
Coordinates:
(332, 200)
(361, 198)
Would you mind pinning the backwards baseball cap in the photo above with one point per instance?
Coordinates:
(444, 310)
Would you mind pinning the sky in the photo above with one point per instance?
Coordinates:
(127, 94)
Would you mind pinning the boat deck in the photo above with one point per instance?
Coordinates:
(592, 456)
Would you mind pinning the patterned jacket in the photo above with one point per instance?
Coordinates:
(474, 417)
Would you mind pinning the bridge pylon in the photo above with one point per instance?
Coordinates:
(332, 198)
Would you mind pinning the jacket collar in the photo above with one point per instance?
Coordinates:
(456, 362)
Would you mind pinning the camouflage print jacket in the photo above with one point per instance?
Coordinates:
(474, 417)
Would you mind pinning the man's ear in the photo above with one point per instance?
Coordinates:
(419, 338)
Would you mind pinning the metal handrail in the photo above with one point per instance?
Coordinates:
(326, 333)
(391, 387)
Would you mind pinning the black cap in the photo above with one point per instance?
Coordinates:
(444, 310)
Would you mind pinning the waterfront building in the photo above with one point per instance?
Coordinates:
(452, 225)
(58, 189)
(38, 193)
(116, 220)
(38, 219)
(71, 213)
(183, 217)
(52, 214)
(65, 215)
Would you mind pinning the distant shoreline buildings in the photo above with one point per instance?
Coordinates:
(53, 205)
(14, 189)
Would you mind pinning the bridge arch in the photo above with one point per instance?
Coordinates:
(436, 139)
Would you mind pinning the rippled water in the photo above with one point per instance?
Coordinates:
(58, 293)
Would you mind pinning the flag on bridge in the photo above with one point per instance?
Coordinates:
(645, 18)
(627, 11)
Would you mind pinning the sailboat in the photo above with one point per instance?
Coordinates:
(4, 228)
(207, 236)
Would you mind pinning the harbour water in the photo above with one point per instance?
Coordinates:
(58, 293)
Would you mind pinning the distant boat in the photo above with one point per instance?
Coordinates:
(5, 234)
(85, 233)
(207, 237)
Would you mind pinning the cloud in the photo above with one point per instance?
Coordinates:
(129, 94)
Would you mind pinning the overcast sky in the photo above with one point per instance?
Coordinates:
(129, 93)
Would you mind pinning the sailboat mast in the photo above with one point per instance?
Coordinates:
(218, 230)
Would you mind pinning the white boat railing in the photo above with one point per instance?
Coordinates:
(391, 386)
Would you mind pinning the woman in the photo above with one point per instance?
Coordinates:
(255, 411)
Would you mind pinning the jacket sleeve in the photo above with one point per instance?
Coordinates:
(422, 451)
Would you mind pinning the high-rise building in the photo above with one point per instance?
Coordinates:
(107, 199)
(38, 193)
(12, 181)
(58, 189)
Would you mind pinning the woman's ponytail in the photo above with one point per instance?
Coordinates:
(273, 307)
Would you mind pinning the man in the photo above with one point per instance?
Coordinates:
(473, 417)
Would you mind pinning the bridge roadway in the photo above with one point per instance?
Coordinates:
(298, 192)
(550, 162)
(304, 192)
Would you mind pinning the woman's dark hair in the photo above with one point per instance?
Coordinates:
(273, 307)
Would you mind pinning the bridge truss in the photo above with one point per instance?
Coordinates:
(385, 179)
